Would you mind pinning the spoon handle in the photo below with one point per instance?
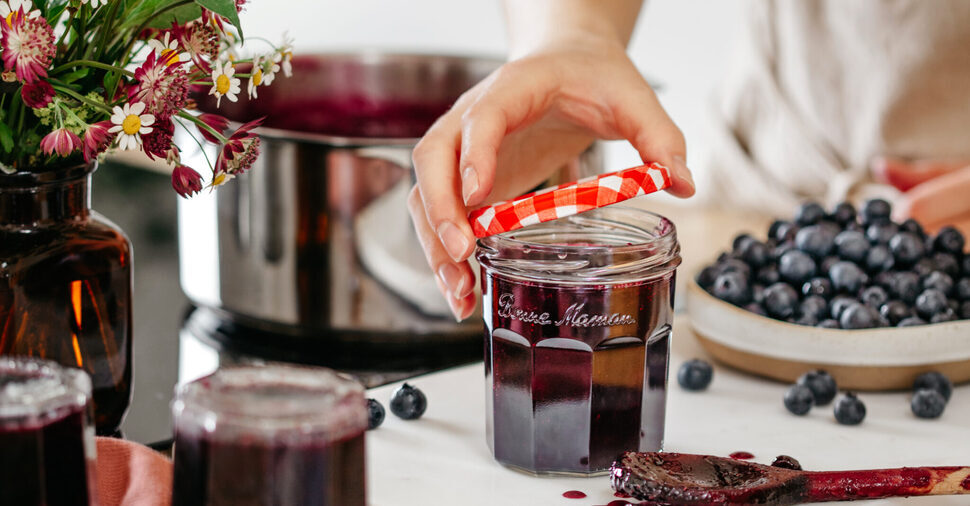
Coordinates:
(880, 483)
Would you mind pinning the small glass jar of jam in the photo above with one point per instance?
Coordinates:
(578, 315)
(273, 435)
(47, 448)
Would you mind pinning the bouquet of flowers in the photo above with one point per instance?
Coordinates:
(84, 76)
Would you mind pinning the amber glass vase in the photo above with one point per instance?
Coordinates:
(65, 283)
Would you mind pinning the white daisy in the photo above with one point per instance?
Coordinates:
(271, 67)
(8, 7)
(255, 77)
(95, 3)
(220, 178)
(167, 49)
(130, 124)
(287, 51)
(223, 83)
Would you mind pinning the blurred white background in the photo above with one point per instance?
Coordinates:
(682, 44)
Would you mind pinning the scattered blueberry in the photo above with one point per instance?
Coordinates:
(949, 240)
(911, 321)
(781, 300)
(786, 462)
(408, 402)
(847, 277)
(732, 287)
(822, 385)
(816, 240)
(796, 266)
(828, 324)
(815, 306)
(881, 232)
(895, 311)
(946, 262)
(799, 399)
(844, 213)
(849, 410)
(879, 259)
(819, 286)
(375, 414)
(931, 302)
(962, 290)
(875, 210)
(907, 248)
(927, 403)
(695, 375)
(858, 316)
(852, 245)
(809, 213)
(874, 296)
(934, 381)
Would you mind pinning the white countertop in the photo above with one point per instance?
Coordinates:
(442, 459)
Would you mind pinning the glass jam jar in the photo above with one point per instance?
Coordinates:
(274, 435)
(578, 315)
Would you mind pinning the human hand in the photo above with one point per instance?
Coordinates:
(514, 129)
(935, 192)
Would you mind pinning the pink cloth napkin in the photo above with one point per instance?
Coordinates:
(130, 474)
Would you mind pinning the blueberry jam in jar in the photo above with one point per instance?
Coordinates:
(270, 436)
(578, 315)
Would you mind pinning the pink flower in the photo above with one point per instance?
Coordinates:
(240, 151)
(186, 181)
(159, 141)
(28, 46)
(163, 87)
(201, 40)
(96, 139)
(62, 140)
(37, 94)
(216, 122)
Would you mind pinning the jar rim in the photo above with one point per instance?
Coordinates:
(42, 391)
(27, 179)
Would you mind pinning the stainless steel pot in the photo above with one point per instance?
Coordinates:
(314, 242)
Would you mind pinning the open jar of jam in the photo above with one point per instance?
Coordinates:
(578, 315)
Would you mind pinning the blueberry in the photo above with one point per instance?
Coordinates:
(881, 232)
(874, 296)
(895, 311)
(965, 265)
(780, 300)
(375, 414)
(930, 302)
(739, 241)
(858, 316)
(734, 265)
(786, 462)
(408, 402)
(962, 290)
(768, 275)
(757, 293)
(818, 286)
(828, 324)
(815, 306)
(964, 311)
(949, 240)
(781, 249)
(799, 399)
(940, 281)
(784, 232)
(847, 277)
(754, 253)
(934, 380)
(879, 259)
(822, 385)
(947, 315)
(912, 226)
(924, 267)
(826, 265)
(796, 266)
(707, 277)
(911, 321)
(907, 248)
(732, 287)
(809, 213)
(905, 286)
(808, 320)
(756, 308)
(852, 245)
(839, 304)
(844, 213)
(875, 210)
(849, 410)
(695, 375)
(815, 240)
(946, 262)
(774, 227)
(927, 403)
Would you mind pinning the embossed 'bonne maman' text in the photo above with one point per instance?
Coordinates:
(573, 317)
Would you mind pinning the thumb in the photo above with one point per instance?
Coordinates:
(905, 174)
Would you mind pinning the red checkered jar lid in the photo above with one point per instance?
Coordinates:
(569, 199)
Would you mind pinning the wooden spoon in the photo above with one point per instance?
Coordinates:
(676, 478)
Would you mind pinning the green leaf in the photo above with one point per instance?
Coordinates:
(111, 83)
(225, 8)
(6, 138)
(179, 15)
(148, 11)
(70, 77)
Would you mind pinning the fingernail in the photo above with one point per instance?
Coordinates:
(455, 310)
(684, 172)
(451, 277)
(469, 183)
(455, 242)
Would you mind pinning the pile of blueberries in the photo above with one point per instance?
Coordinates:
(846, 270)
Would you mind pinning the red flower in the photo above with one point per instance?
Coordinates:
(37, 94)
(240, 151)
(96, 139)
(186, 181)
(62, 140)
(28, 46)
(201, 40)
(159, 141)
(216, 122)
(163, 87)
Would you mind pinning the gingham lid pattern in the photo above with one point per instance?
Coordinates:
(569, 199)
